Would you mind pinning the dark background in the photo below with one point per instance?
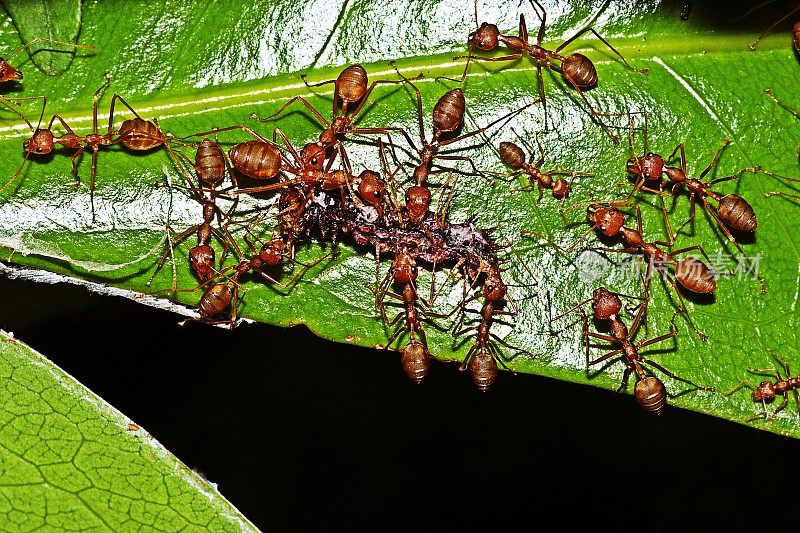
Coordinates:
(304, 434)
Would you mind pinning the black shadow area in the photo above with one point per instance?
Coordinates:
(302, 434)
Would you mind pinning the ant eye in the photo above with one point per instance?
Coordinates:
(39, 149)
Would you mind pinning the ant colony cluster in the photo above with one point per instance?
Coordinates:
(390, 211)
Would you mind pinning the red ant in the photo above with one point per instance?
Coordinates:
(483, 356)
(135, 134)
(577, 69)
(211, 167)
(766, 391)
(448, 117)
(690, 273)
(649, 391)
(732, 211)
(513, 156)
(349, 88)
(415, 355)
(10, 73)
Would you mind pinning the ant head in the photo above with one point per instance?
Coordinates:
(651, 394)
(648, 167)
(765, 391)
(272, 252)
(605, 304)
(201, 259)
(415, 361)
(41, 142)
(485, 37)
(8, 72)
(327, 137)
(512, 155)
(404, 268)
(494, 289)
(607, 219)
(418, 199)
(371, 188)
(312, 156)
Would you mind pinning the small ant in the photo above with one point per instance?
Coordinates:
(577, 69)
(448, 117)
(211, 167)
(649, 391)
(513, 156)
(766, 391)
(8, 72)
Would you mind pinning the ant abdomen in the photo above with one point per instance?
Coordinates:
(695, 276)
(736, 213)
(140, 135)
(209, 162)
(512, 155)
(215, 300)
(448, 113)
(256, 159)
(651, 394)
(579, 70)
(483, 369)
(415, 361)
(352, 83)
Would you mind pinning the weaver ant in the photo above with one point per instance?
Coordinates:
(649, 391)
(448, 117)
(732, 211)
(766, 391)
(577, 69)
(795, 26)
(349, 88)
(513, 156)
(135, 134)
(210, 167)
(483, 356)
(691, 273)
(415, 356)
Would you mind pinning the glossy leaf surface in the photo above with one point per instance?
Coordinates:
(212, 65)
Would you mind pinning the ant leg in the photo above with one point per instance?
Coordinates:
(741, 385)
(792, 110)
(716, 157)
(676, 377)
(683, 309)
(300, 99)
(625, 377)
(581, 32)
(369, 91)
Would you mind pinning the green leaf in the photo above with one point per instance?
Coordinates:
(68, 458)
(41, 24)
(212, 64)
